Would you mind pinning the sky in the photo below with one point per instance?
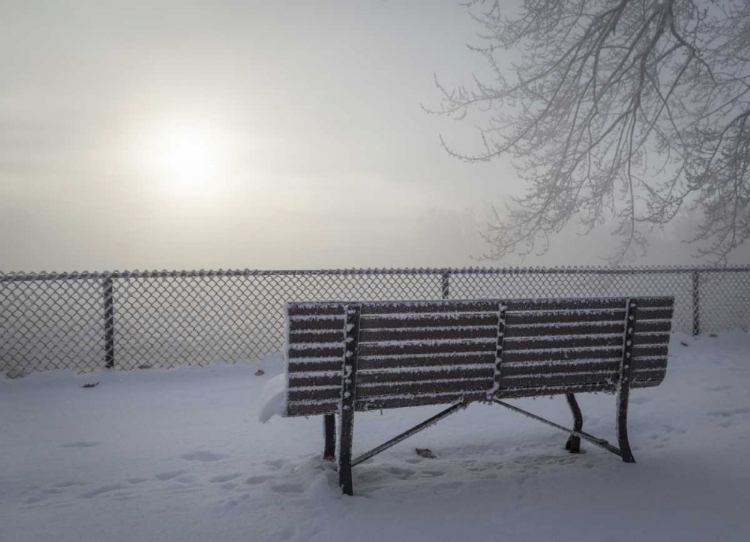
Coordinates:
(247, 134)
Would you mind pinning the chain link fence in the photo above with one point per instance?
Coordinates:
(124, 320)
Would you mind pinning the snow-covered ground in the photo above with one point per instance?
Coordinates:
(178, 455)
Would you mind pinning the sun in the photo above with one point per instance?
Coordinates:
(186, 155)
(186, 161)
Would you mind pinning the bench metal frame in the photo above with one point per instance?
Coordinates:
(349, 394)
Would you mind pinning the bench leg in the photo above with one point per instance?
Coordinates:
(622, 423)
(329, 432)
(574, 442)
(345, 451)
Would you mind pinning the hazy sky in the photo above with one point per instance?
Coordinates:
(231, 134)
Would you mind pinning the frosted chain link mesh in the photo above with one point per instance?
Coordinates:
(82, 321)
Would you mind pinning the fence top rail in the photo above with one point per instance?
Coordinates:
(570, 270)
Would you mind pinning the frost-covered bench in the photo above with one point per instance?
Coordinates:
(342, 357)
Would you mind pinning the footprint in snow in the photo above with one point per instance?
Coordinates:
(164, 476)
(254, 480)
(221, 478)
(53, 490)
(399, 472)
(728, 416)
(69, 483)
(102, 490)
(203, 455)
(728, 413)
(287, 488)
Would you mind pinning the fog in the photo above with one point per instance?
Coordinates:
(306, 146)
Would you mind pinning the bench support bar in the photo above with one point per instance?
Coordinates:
(585, 436)
(574, 441)
(329, 433)
(406, 434)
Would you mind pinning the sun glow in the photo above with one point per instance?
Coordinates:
(183, 161)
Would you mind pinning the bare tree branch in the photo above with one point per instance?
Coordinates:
(624, 109)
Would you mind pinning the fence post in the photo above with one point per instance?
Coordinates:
(446, 285)
(109, 322)
(696, 303)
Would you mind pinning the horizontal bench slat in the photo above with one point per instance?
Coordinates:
(429, 320)
(645, 379)
(644, 374)
(426, 361)
(573, 379)
(545, 317)
(314, 394)
(569, 354)
(565, 329)
(512, 305)
(532, 343)
(316, 352)
(564, 304)
(373, 391)
(382, 377)
(646, 384)
(560, 379)
(399, 402)
(303, 366)
(310, 409)
(427, 333)
(567, 366)
(326, 336)
(322, 379)
(432, 347)
(646, 326)
(560, 367)
(648, 381)
(323, 323)
(550, 390)
(650, 350)
(392, 377)
(397, 307)
(649, 363)
(583, 353)
(583, 328)
(315, 308)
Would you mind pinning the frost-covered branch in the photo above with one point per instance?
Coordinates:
(632, 109)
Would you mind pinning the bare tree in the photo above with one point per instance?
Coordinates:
(624, 109)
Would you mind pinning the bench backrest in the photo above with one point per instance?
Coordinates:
(413, 353)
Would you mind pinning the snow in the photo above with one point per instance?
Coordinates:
(273, 398)
(178, 455)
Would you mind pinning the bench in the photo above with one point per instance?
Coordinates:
(342, 357)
